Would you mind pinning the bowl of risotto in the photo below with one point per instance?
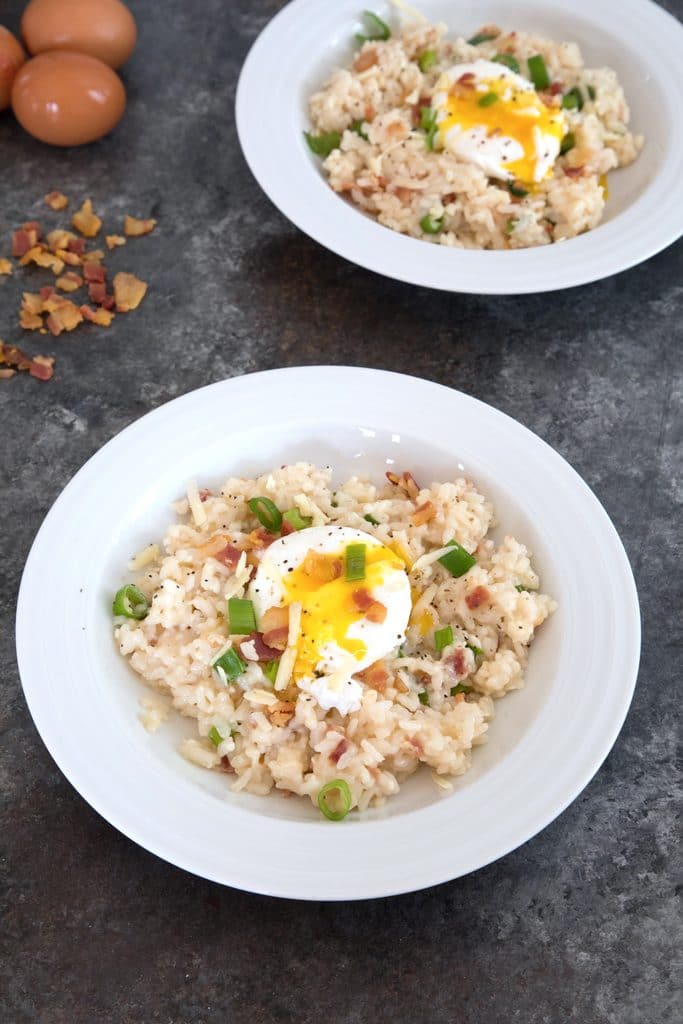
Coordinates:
(526, 148)
(322, 655)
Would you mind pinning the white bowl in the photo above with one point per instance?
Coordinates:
(300, 47)
(546, 740)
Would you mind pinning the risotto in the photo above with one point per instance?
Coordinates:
(329, 642)
(501, 141)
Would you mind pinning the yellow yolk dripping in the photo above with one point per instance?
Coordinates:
(328, 609)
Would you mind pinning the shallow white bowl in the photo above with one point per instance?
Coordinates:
(300, 47)
(546, 741)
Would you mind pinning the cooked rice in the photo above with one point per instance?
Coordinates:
(283, 738)
(393, 176)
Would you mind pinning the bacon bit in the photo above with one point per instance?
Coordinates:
(22, 241)
(129, 291)
(259, 538)
(30, 321)
(70, 282)
(459, 698)
(32, 225)
(32, 303)
(458, 661)
(287, 528)
(423, 514)
(134, 227)
(477, 597)
(370, 112)
(93, 256)
(68, 257)
(56, 200)
(108, 302)
(406, 482)
(375, 611)
(228, 556)
(42, 257)
(340, 749)
(14, 356)
(42, 367)
(58, 239)
(321, 568)
(376, 676)
(114, 240)
(573, 172)
(46, 292)
(281, 713)
(403, 193)
(5, 267)
(86, 221)
(274, 618)
(94, 272)
(76, 245)
(555, 88)
(366, 59)
(277, 638)
(6, 374)
(263, 651)
(225, 765)
(204, 494)
(466, 78)
(102, 317)
(97, 292)
(66, 317)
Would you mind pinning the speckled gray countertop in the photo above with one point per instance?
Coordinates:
(580, 924)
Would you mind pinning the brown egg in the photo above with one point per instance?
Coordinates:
(67, 99)
(11, 58)
(102, 28)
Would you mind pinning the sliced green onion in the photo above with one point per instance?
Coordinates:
(322, 145)
(568, 142)
(371, 519)
(295, 519)
(443, 638)
(511, 225)
(131, 602)
(229, 665)
(338, 810)
(357, 127)
(427, 60)
(215, 736)
(460, 688)
(241, 616)
(457, 561)
(355, 562)
(481, 37)
(521, 588)
(573, 100)
(378, 28)
(476, 651)
(270, 669)
(538, 72)
(267, 513)
(488, 99)
(431, 225)
(428, 124)
(591, 92)
(423, 697)
(517, 190)
(508, 60)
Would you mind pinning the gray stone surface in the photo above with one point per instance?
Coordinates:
(579, 925)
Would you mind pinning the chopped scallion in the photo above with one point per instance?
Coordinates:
(295, 519)
(521, 588)
(510, 226)
(427, 60)
(229, 665)
(371, 519)
(476, 651)
(573, 100)
(508, 60)
(270, 670)
(457, 561)
(355, 562)
(357, 127)
(568, 142)
(488, 99)
(241, 616)
(431, 225)
(443, 638)
(322, 145)
(131, 602)
(378, 28)
(517, 190)
(339, 806)
(481, 37)
(215, 736)
(428, 124)
(538, 72)
(423, 697)
(590, 89)
(267, 513)
(460, 688)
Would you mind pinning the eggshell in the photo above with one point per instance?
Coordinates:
(12, 57)
(104, 29)
(67, 99)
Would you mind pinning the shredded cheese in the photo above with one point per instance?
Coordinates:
(257, 696)
(195, 502)
(285, 668)
(294, 623)
(432, 556)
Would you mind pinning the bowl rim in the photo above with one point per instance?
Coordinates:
(297, 188)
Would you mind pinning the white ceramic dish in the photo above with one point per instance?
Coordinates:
(545, 742)
(300, 47)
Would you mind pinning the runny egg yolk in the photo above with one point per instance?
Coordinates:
(328, 608)
(508, 114)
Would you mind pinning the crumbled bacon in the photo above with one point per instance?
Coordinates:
(86, 220)
(365, 59)
(374, 610)
(277, 638)
(69, 282)
(134, 228)
(65, 317)
(15, 359)
(76, 245)
(229, 556)
(406, 482)
(22, 241)
(102, 317)
(466, 79)
(32, 303)
(458, 661)
(477, 597)
(93, 256)
(97, 292)
(340, 749)
(280, 714)
(574, 172)
(94, 272)
(369, 112)
(263, 651)
(42, 367)
(260, 538)
(42, 257)
(376, 676)
(114, 240)
(423, 514)
(225, 765)
(56, 200)
(6, 374)
(204, 494)
(129, 291)
(46, 292)
(5, 267)
(321, 567)
(287, 528)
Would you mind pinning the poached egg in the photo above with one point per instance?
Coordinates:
(346, 625)
(491, 116)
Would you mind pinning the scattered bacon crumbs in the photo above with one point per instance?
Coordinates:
(64, 315)
(56, 200)
(70, 282)
(134, 227)
(477, 597)
(114, 240)
(5, 267)
(406, 482)
(129, 291)
(102, 317)
(86, 221)
(14, 358)
(423, 514)
(42, 257)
